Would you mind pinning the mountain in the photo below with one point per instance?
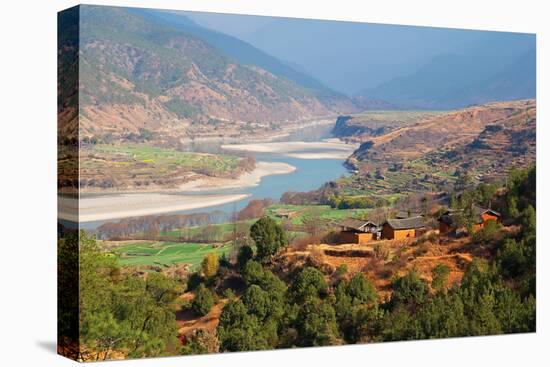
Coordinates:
(246, 54)
(484, 141)
(346, 56)
(140, 75)
(497, 69)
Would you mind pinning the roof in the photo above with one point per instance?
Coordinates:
(479, 210)
(407, 223)
(404, 214)
(449, 219)
(450, 216)
(356, 224)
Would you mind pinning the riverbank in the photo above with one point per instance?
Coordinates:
(246, 179)
(267, 136)
(108, 207)
(326, 149)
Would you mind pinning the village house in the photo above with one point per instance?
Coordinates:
(284, 213)
(403, 228)
(448, 222)
(357, 231)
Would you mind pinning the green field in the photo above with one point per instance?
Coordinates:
(318, 211)
(166, 253)
(141, 154)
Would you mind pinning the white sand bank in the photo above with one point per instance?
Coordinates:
(247, 179)
(107, 207)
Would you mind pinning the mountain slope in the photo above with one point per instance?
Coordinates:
(483, 141)
(501, 68)
(247, 54)
(140, 75)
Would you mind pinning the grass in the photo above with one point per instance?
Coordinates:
(322, 211)
(131, 154)
(218, 230)
(166, 253)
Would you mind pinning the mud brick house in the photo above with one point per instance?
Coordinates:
(448, 222)
(403, 228)
(357, 231)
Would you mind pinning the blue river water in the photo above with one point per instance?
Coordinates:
(310, 174)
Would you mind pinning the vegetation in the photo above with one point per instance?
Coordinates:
(123, 312)
(266, 305)
(210, 265)
(440, 276)
(165, 254)
(268, 237)
(203, 301)
(139, 165)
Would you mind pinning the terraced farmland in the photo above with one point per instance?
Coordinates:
(164, 253)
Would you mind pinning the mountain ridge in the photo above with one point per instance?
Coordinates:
(138, 75)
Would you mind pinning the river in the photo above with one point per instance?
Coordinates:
(309, 174)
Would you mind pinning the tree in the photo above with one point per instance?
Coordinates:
(104, 334)
(529, 221)
(317, 324)
(239, 331)
(512, 258)
(203, 301)
(309, 283)
(440, 276)
(268, 236)
(121, 312)
(210, 265)
(262, 304)
(245, 254)
(361, 290)
(253, 272)
(409, 291)
(202, 342)
(485, 193)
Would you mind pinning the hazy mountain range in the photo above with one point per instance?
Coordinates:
(406, 66)
(168, 72)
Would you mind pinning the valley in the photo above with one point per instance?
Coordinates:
(214, 198)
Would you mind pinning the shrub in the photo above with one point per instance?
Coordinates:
(245, 253)
(440, 276)
(210, 265)
(203, 301)
(193, 281)
(308, 283)
(361, 290)
(268, 236)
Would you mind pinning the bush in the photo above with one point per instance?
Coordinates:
(361, 290)
(408, 290)
(210, 265)
(193, 281)
(245, 253)
(268, 236)
(440, 276)
(308, 283)
(203, 301)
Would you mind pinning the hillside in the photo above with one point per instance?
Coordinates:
(360, 127)
(247, 54)
(137, 74)
(433, 152)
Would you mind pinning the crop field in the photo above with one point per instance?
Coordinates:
(299, 212)
(165, 253)
(395, 118)
(143, 155)
(135, 166)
